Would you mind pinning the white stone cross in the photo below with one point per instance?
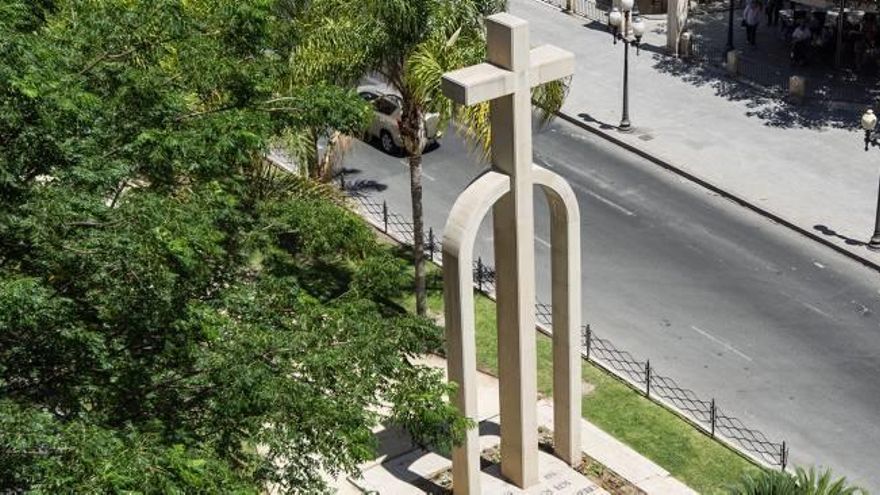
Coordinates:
(513, 68)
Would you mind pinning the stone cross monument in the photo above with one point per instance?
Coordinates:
(513, 68)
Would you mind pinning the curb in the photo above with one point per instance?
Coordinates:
(718, 190)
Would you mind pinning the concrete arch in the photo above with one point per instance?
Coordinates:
(565, 248)
(459, 236)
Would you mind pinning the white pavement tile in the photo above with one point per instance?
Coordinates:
(404, 475)
(666, 485)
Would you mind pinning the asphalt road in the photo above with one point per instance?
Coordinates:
(783, 332)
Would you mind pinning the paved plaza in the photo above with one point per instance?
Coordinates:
(402, 469)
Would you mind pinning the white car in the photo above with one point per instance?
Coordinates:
(386, 121)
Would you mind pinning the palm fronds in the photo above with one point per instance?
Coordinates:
(549, 97)
(299, 144)
(269, 181)
(451, 47)
(813, 482)
(474, 124)
(803, 482)
(335, 49)
(766, 483)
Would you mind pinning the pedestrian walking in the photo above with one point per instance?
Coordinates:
(800, 44)
(751, 18)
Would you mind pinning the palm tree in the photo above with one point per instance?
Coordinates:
(410, 43)
(330, 52)
(419, 40)
(803, 482)
(422, 39)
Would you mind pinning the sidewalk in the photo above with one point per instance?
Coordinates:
(402, 469)
(769, 62)
(803, 166)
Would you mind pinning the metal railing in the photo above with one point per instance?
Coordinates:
(591, 9)
(640, 375)
(769, 77)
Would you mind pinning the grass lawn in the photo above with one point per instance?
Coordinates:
(691, 456)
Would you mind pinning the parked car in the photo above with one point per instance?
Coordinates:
(386, 121)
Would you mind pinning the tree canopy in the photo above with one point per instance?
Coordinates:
(175, 315)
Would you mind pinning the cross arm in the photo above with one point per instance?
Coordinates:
(477, 83)
(482, 82)
(548, 63)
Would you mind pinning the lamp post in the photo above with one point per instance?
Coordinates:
(869, 122)
(620, 24)
(729, 29)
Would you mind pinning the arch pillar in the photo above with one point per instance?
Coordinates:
(565, 269)
(459, 236)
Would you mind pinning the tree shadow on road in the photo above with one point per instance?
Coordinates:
(347, 179)
(590, 119)
(643, 46)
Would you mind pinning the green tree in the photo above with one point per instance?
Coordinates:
(333, 51)
(320, 112)
(175, 315)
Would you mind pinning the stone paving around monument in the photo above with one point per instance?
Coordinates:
(410, 474)
(404, 469)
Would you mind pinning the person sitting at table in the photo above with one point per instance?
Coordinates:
(866, 45)
(869, 63)
(800, 43)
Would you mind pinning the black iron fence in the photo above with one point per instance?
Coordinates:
(704, 52)
(705, 414)
(640, 375)
(595, 10)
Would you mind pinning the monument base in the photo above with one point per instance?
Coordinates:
(421, 471)
(556, 478)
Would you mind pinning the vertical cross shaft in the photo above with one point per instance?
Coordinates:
(505, 81)
(513, 224)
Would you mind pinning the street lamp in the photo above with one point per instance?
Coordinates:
(729, 30)
(620, 24)
(869, 122)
